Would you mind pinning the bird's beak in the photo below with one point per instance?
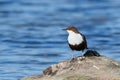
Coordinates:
(63, 29)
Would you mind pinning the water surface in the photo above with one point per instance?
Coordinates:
(31, 35)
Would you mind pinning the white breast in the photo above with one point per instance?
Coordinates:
(74, 38)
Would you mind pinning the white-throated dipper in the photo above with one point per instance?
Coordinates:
(76, 40)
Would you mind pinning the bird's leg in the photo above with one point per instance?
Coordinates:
(72, 54)
(72, 59)
(82, 57)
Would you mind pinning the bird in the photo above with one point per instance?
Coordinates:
(76, 40)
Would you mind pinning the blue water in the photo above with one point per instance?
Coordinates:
(31, 35)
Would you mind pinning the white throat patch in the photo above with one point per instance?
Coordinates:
(74, 38)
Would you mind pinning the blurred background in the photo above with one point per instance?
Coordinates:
(31, 35)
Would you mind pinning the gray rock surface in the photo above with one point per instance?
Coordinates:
(90, 68)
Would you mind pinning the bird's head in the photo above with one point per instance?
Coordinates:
(71, 29)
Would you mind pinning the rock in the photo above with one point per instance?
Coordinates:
(91, 68)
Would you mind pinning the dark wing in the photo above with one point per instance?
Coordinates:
(85, 42)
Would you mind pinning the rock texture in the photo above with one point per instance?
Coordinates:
(91, 68)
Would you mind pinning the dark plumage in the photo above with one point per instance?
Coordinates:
(76, 40)
(80, 46)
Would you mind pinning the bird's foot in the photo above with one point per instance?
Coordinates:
(82, 58)
(72, 60)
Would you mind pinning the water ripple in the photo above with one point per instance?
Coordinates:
(32, 38)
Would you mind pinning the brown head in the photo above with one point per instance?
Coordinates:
(72, 28)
